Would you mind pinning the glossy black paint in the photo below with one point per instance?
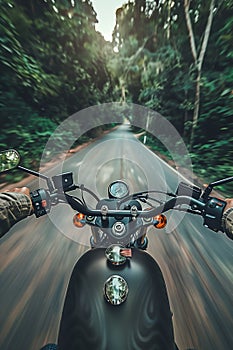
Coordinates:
(143, 321)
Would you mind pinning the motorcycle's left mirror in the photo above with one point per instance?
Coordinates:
(9, 160)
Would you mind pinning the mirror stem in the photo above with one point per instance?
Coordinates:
(35, 173)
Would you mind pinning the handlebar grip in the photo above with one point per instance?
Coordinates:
(41, 202)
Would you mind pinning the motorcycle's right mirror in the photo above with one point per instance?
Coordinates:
(9, 160)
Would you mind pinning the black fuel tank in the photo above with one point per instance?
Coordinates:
(142, 322)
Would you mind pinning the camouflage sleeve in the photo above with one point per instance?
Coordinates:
(13, 208)
(227, 222)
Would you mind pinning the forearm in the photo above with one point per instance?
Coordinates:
(13, 208)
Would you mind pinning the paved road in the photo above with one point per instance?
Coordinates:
(37, 256)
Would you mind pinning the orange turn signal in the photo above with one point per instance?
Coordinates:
(160, 221)
(79, 220)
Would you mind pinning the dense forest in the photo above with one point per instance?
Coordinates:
(175, 57)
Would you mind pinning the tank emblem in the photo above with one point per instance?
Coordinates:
(116, 290)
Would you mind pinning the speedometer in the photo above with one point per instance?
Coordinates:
(118, 189)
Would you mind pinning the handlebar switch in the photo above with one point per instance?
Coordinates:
(41, 202)
(213, 213)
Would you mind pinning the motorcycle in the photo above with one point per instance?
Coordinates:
(117, 296)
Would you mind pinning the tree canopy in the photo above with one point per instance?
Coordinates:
(52, 65)
(175, 57)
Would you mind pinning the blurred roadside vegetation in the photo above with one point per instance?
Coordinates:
(53, 64)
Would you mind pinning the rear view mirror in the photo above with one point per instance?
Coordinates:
(9, 160)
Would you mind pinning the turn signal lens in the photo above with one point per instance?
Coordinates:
(79, 220)
(160, 221)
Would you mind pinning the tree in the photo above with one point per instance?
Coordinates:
(53, 63)
(198, 57)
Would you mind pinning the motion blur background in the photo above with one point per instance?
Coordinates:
(174, 57)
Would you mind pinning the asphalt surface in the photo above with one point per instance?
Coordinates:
(37, 255)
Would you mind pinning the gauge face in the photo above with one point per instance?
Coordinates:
(118, 189)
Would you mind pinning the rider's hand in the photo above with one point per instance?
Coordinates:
(227, 218)
(229, 202)
(23, 190)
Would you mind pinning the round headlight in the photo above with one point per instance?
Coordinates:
(116, 290)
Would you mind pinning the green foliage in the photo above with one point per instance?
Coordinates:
(53, 63)
(155, 64)
(213, 160)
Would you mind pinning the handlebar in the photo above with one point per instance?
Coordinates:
(170, 204)
(196, 201)
(211, 210)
